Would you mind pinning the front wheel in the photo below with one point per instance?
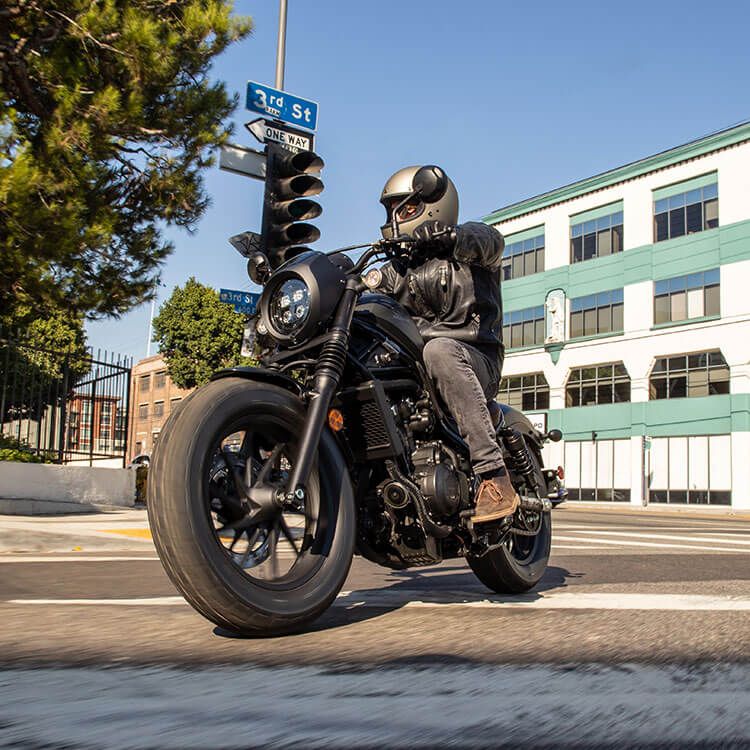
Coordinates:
(519, 564)
(274, 576)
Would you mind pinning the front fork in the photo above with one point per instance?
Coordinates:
(327, 375)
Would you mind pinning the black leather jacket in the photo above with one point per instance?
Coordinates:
(458, 296)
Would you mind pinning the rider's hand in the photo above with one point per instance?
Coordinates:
(438, 236)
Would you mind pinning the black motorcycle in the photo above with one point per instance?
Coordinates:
(268, 479)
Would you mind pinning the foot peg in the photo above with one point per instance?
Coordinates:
(536, 504)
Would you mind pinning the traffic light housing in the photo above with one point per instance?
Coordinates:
(291, 179)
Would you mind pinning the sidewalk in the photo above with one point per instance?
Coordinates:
(707, 512)
(120, 530)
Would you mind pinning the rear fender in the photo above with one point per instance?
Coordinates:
(519, 421)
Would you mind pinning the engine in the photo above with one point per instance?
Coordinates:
(445, 488)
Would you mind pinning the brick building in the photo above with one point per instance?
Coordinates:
(153, 395)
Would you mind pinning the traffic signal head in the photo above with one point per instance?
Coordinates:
(291, 179)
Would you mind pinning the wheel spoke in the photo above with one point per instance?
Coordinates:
(246, 454)
(272, 549)
(288, 534)
(268, 466)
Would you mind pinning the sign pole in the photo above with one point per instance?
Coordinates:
(281, 46)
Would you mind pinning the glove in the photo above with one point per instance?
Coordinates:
(438, 237)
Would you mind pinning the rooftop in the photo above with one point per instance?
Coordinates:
(700, 147)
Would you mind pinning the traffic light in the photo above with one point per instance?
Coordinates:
(291, 178)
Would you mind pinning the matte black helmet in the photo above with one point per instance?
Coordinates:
(441, 205)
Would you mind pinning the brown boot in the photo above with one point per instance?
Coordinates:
(496, 499)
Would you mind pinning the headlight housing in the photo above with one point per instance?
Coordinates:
(290, 306)
(299, 298)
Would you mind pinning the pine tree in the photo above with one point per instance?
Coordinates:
(107, 120)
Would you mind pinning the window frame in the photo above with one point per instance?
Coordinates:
(664, 366)
(537, 387)
(590, 232)
(611, 301)
(525, 248)
(518, 320)
(675, 207)
(578, 382)
(707, 281)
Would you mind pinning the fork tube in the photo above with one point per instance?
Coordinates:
(327, 375)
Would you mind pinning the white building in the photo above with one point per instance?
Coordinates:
(627, 324)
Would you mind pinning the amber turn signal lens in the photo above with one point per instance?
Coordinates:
(335, 420)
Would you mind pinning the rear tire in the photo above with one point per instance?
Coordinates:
(518, 565)
(180, 514)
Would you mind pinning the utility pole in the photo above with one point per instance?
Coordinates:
(281, 46)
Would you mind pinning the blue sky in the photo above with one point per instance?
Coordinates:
(511, 98)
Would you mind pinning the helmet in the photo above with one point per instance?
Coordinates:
(440, 202)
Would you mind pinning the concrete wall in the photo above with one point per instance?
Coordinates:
(48, 488)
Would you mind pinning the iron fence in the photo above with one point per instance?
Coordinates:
(65, 406)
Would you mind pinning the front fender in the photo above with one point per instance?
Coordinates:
(260, 375)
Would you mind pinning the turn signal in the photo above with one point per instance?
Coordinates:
(335, 420)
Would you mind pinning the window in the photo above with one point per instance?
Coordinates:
(685, 297)
(144, 383)
(596, 313)
(595, 237)
(597, 470)
(523, 256)
(598, 384)
(173, 403)
(689, 375)
(138, 447)
(158, 408)
(696, 470)
(85, 432)
(119, 428)
(160, 378)
(692, 210)
(526, 392)
(524, 327)
(143, 411)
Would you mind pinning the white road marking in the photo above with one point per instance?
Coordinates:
(441, 599)
(659, 545)
(68, 558)
(724, 539)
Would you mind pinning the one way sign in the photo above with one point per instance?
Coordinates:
(290, 138)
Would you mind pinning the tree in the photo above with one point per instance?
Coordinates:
(107, 121)
(197, 334)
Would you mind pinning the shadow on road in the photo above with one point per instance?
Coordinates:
(456, 584)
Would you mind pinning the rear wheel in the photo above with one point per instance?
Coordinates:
(278, 573)
(519, 563)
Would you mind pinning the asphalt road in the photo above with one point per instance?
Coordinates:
(642, 620)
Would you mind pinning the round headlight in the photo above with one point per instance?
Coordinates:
(290, 306)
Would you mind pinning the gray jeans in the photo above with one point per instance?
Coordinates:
(466, 380)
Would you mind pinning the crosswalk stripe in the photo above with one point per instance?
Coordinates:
(727, 539)
(406, 599)
(659, 545)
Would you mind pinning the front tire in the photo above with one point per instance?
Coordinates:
(519, 564)
(182, 495)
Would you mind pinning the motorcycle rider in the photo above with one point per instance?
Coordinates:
(451, 286)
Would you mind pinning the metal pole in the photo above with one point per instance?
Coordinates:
(281, 46)
(150, 327)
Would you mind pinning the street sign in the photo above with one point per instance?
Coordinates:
(243, 160)
(281, 105)
(290, 138)
(243, 302)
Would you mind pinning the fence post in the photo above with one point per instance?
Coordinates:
(63, 410)
(126, 444)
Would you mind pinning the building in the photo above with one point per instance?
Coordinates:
(627, 324)
(95, 427)
(153, 395)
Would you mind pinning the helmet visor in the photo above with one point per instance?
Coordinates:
(412, 208)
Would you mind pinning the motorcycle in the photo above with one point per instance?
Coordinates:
(267, 480)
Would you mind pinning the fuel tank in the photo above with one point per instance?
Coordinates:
(386, 314)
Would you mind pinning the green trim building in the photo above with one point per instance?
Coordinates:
(627, 324)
